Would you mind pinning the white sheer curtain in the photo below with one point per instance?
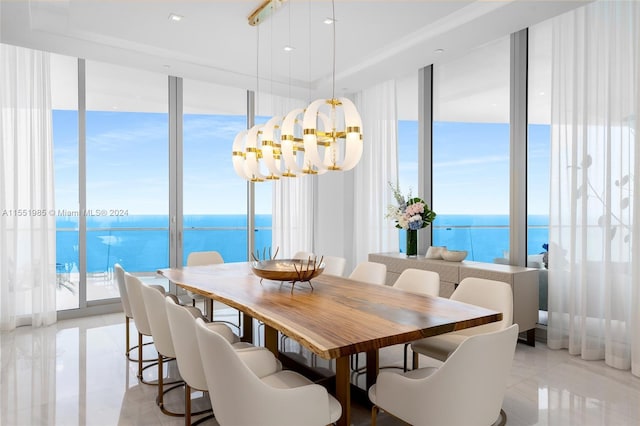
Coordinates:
(27, 218)
(372, 232)
(594, 264)
(292, 201)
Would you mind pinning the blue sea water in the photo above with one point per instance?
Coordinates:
(141, 243)
(486, 237)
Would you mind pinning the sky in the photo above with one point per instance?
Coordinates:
(127, 165)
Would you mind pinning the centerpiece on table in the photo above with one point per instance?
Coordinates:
(410, 214)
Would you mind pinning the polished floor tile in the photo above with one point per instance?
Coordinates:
(75, 373)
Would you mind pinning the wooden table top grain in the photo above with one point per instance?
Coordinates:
(339, 316)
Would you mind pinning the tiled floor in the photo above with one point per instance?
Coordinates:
(75, 373)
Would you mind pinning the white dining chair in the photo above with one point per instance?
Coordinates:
(303, 255)
(203, 258)
(128, 314)
(334, 265)
(276, 398)
(140, 318)
(199, 258)
(490, 294)
(417, 281)
(467, 389)
(183, 331)
(369, 272)
(154, 302)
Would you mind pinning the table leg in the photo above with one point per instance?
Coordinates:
(531, 337)
(247, 328)
(343, 389)
(271, 339)
(208, 308)
(373, 367)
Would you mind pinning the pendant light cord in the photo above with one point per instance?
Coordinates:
(289, 43)
(333, 16)
(255, 109)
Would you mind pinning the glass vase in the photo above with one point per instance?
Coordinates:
(412, 242)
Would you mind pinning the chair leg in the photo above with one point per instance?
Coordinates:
(160, 399)
(374, 415)
(139, 355)
(162, 390)
(404, 365)
(416, 362)
(187, 409)
(130, 349)
(187, 404)
(126, 321)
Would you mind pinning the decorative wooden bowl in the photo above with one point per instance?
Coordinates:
(287, 269)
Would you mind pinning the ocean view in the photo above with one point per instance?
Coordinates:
(140, 243)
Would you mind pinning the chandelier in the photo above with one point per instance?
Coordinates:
(325, 136)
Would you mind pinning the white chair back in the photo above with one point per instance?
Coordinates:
(138, 310)
(233, 387)
(303, 255)
(200, 258)
(157, 315)
(468, 389)
(370, 272)
(490, 294)
(124, 297)
(183, 332)
(419, 281)
(334, 265)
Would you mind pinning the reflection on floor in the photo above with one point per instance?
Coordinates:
(75, 373)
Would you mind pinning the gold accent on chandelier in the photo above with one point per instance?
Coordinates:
(324, 136)
(264, 11)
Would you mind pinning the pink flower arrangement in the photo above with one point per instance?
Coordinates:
(411, 213)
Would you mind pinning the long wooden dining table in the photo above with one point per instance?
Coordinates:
(334, 319)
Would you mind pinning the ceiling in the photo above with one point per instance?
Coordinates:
(374, 40)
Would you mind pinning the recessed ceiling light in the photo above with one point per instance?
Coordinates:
(328, 21)
(175, 17)
(438, 51)
(288, 48)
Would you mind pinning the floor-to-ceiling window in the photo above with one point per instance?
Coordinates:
(471, 152)
(214, 197)
(121, 160)
(539, 137)
(407, 110)
(124, 165)
(64, 97)
(407, 165)
(127, 179)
